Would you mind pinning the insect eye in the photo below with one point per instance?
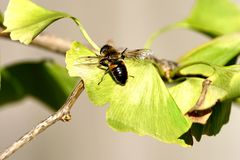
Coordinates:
(105, 48)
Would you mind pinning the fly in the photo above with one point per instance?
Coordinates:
(112, 61)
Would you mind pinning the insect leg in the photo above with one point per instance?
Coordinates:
(123, 53)
(131, 76)
(103, 76)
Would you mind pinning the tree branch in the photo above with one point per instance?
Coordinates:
(62, 114)
(60, 46)
(56, 45)
(45, 41)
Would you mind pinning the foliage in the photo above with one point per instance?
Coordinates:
(141, 108)
(215, 17)
(44, 80)
(18, 21)
(198, 101)
(219, 51)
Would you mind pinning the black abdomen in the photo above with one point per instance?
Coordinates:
(119, 72)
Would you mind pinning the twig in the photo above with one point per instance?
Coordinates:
(62, 114)
(56, 45)
(60, 46)
(46, 41)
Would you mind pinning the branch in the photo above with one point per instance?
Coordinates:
(60, 46)
(45, 41)
(62, 114)
(56, 45)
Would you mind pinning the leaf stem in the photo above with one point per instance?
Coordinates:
(85, 34)
(62, 114)
(156, 34)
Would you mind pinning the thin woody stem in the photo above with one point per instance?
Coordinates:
(60, 46)
(56, 45)
(46, 41)
(62, 114)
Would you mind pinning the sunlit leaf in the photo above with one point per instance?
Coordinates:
(187, 93)
(223, 85)
(143, 106)
(194, 94)
(228, 79)
(198, 69)
(25, 20)
(218, 51)
(44, 80)
(215, 17)
(211, 17)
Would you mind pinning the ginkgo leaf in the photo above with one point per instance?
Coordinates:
(197, 69)
(44, 80)
(223, 85)
(215, 17)
(143, 106)
(25, 20)
(213, 110)
(218, 51)
(203, 93)
(187, 93)
(211, 17)
(228, 79)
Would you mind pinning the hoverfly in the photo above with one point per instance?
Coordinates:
(112, 61)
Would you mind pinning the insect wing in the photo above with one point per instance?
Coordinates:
(87, 60)
(139, 53)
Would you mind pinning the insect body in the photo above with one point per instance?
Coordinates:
(114, 60)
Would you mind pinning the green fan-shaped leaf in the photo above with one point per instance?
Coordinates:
(214, 111)
(197, 69)
(187, 93)
(219, 51)
(211, 17)
(215, 17)
(224, 85)
(143, 106)
(228, 79)
(44, 80)
(25, 20)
